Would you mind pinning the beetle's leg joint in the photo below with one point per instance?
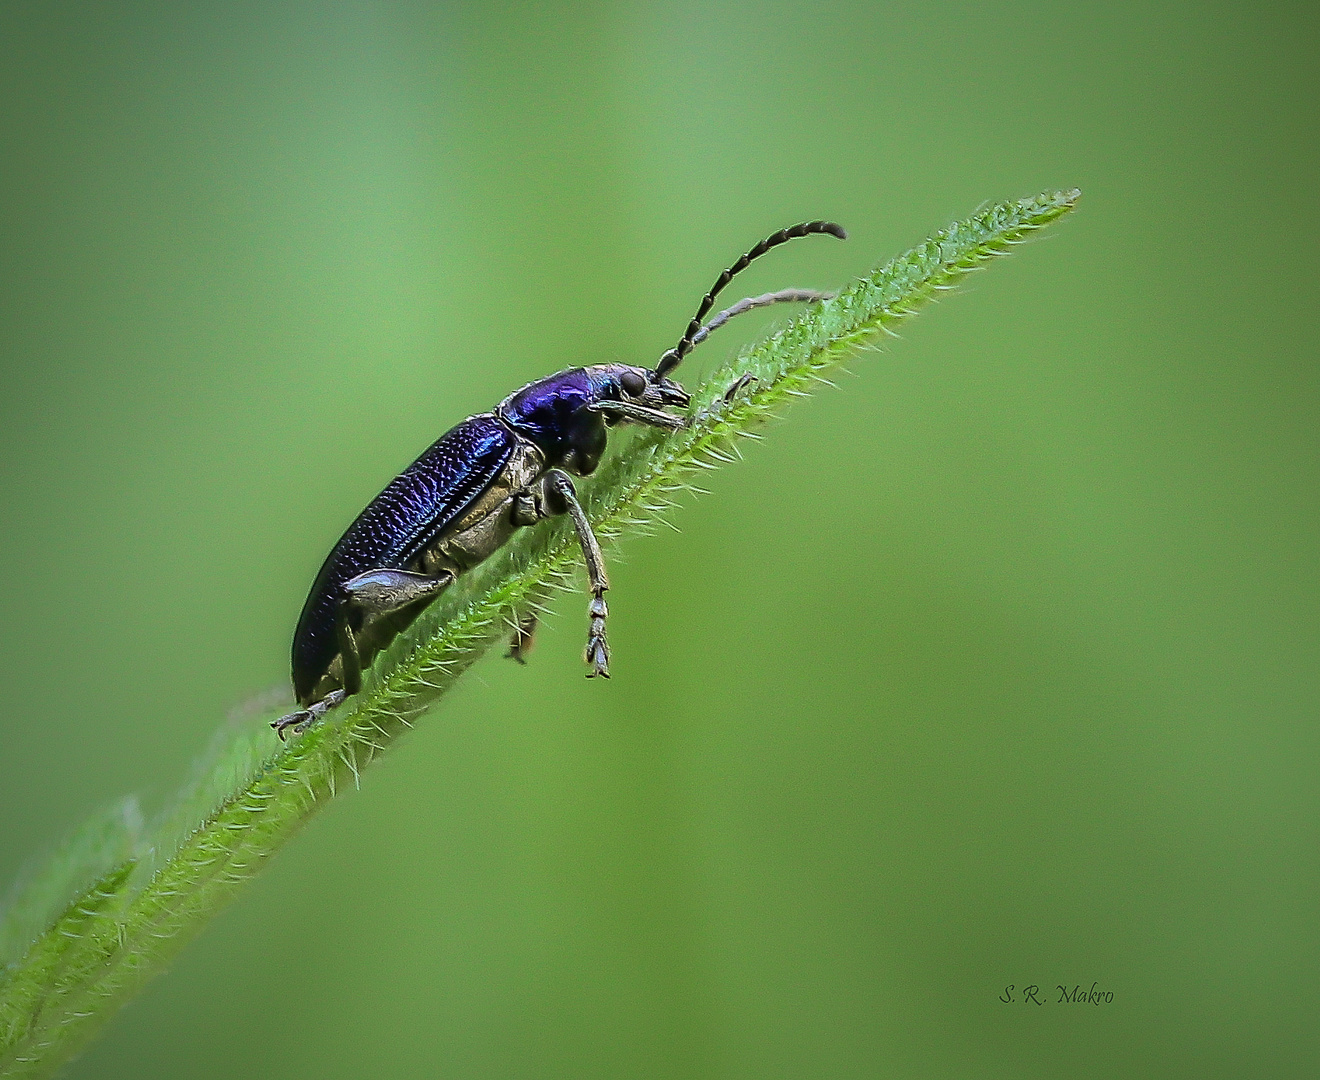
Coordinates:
(524, 511)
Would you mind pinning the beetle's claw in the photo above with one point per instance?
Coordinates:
(297, 720)
(598, 656)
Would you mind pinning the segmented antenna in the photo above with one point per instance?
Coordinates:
(674, 356)
(751, 303)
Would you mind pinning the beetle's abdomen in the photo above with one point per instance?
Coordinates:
(418, 504)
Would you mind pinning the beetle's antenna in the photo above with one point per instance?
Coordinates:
(674, 356)
(790, 296)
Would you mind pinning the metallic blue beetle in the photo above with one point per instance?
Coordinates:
(479, 482)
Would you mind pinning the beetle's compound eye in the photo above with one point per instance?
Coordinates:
(633, 384)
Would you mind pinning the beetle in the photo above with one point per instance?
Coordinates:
(481, 481)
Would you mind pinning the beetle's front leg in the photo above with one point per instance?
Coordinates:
(625, 410)
(560, 497)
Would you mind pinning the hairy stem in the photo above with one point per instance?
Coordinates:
(143, 894)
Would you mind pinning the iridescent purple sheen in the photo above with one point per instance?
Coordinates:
(417, 505)
(550, 413)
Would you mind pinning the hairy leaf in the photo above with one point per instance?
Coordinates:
(138, 898)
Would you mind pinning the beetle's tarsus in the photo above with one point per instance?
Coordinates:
(598, 649)
(302, 719)
(296, 720)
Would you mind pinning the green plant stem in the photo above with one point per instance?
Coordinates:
(123, 927)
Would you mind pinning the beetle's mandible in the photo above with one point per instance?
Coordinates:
(475, 486)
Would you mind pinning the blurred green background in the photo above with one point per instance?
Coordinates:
(997, 667)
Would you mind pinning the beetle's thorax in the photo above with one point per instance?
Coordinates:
(553, 414)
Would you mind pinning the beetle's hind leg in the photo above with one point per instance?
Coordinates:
(375, 593)
(561, 498)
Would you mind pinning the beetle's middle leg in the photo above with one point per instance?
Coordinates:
(526, 510)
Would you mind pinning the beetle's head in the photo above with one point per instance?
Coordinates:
(636, 386)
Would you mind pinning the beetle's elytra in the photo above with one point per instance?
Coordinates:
(474, 487)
